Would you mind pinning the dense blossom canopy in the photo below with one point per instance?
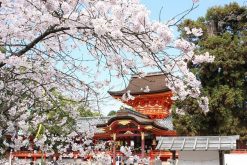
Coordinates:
(38, 65)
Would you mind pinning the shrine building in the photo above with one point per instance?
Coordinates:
(141, 126)
(151, 96)
(138, 126)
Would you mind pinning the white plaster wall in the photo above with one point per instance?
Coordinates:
(198, 158)
(235, 159)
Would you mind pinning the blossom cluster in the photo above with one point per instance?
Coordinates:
(126, 151)
(130, 159)
(198, 59)
(196, 32)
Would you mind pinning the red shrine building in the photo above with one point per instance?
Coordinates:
(137, 127)
(151, 96)
(148, 118)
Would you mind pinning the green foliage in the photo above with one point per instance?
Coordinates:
(56, 114)
(87, 113)
(225, 80)
(2, 49)
(112, 113)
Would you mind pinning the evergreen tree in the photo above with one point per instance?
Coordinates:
(112, 113)
(224, 81)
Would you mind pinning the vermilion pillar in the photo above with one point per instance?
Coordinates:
(143, 144)
(114, 148)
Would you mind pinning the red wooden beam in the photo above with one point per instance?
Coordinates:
(127, 135)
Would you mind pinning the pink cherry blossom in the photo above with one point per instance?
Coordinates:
(195, 1)
(88, 38)
(184, 45)
(197, 32)
(198, 59)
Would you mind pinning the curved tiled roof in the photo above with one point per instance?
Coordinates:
(167, 122)
(85, 123)
(125, 113)
(156, 83)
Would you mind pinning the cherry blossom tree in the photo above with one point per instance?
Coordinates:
(50, 45)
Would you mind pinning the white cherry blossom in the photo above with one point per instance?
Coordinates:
(48, 48)
(197, 32)
(203, 58)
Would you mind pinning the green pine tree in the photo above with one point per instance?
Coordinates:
(224, 81)
(112, 113)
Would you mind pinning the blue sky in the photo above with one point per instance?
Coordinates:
(173, 7)
(170, 9)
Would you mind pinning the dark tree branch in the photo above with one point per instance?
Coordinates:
(50, 30)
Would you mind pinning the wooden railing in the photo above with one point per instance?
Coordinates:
(239, 151)
(152, 154)
(28, 154)
(161, 154)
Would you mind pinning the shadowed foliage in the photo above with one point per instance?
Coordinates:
(225, 80)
